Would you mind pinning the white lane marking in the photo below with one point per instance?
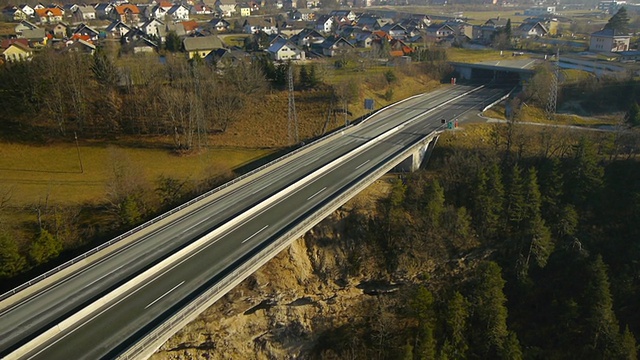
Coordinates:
(103, 276)
(261, 188)
(254, 234)
(363, 164)
(163, 295)
(319, 191)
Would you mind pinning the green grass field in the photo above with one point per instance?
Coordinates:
(35, 172)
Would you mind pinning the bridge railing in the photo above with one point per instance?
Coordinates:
(161, 333)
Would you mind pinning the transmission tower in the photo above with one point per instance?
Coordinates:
(293, 118)
(553, 88)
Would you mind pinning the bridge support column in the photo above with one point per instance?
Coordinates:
(419, 155)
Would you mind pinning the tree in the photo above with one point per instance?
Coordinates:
(619, 22)
(536, 234)
(434, 204)
(602, 322)
(172, 43)
(629, 346)
(44, 248)
(304, 76)
(11, 261)
(515, 206)
(586, 176)
(490, 310)
(422, 307)
(633, 115)
(488, 199)
(104, 69)
(457, 313)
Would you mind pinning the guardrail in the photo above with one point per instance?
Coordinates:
(161, 333)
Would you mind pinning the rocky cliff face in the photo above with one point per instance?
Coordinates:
(280, 311)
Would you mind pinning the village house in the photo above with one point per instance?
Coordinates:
(347, 14)
(85, 13)
(61, 30)
(219, 25)
(336, 46)
(154, 27)
(103, 10)
(16, 52)
(439, 31)
(308, 37)
(253, 25)
(81, 47)
(27, 10)
(244, 9)
(201, 46)
(127, 13)
(24, 25)
(49, 15)
(283, 49)
(609, 40)
(227, 8)
(117, 29)
(178, 12)
(324, 23)
(12, 13)
(530, 30)
(88, 31)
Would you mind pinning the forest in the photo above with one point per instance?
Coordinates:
(501, 253)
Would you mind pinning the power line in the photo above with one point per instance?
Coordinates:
(553, 89)
(293, 118)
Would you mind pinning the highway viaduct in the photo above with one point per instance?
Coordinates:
(125, 299)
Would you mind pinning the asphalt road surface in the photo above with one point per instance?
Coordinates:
(120, 323)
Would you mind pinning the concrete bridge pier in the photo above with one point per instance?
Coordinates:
(418, 155)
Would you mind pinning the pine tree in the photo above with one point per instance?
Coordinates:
(104, 69)
(586, 175)
(434, 207)
(457, 314)
(619, 22)
(537, 236)
(629, 345)
(488, 202)
(551, 184)
(422, 307)
(511, 349)
(603, 325)
(11, 261)
(172, 43)
(304, 76)
(314, 79)
(515, 202)
(490, 309)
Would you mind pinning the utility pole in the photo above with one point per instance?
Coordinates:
(293, 118)
(75, 135)
(553, 89)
